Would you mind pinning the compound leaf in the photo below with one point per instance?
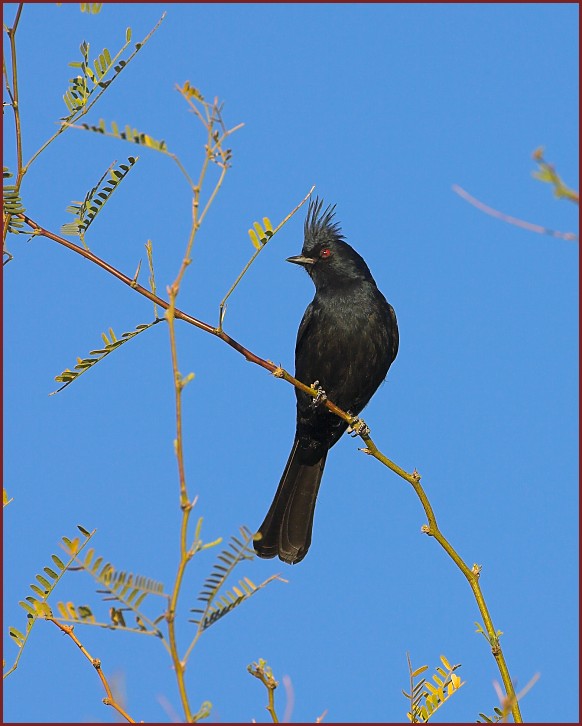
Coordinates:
(83, 364)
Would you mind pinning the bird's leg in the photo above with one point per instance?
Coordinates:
(358, 427)
(321, 395)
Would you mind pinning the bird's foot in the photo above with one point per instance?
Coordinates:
(321, 395)
(358, 427)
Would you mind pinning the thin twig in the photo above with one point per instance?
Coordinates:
(222, 305)
(512, 220)
(213, 147)
(109, 700)
(224, 166)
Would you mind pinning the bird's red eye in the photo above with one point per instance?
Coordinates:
(325, 253)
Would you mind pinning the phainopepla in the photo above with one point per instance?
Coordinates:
(347, 340)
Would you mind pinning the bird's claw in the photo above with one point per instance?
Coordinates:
(358, 427)
(321, 395)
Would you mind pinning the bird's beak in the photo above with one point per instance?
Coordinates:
(301, 260)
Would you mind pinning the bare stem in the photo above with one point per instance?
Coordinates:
(15, 103)
(186, 506)
(178, 385)
(213, 147)
(214, 153)
(511, 220)
(109, 700)
(15, 95)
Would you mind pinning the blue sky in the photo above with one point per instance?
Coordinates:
(383, 107)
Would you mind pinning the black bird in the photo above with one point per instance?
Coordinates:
(347, 340)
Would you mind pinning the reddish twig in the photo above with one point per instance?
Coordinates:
(109, 700)
(277, 371)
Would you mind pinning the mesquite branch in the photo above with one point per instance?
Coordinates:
(432, 529)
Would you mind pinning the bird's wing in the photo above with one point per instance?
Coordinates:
(393, 332)
(303, 327)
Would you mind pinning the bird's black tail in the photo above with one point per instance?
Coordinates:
(286, 530)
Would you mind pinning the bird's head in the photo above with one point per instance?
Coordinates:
(326, 256)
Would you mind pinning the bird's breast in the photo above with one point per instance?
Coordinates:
(346, 347)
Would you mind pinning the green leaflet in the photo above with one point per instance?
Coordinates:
(259, 236)
(547, 173)
(91, 8)
(68, 612)
(219, 602)
(426, 697)
(190, 92)
(128, 589)
(11, 202)
(487, 719)
(85, 212)
(128, 134)
(91, 79)
(258, 241)
(111, 343)
(36, 606)
(89, 85)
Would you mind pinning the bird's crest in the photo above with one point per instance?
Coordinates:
(319, 225)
